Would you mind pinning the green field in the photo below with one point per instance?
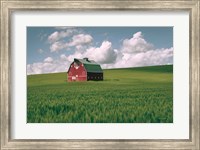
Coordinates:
(131, 95)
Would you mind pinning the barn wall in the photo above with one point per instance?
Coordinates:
(70, 79)
(79, 74)
(95, 76)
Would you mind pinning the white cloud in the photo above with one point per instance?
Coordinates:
(104, 54)
(136, 51)
(48, 66)
(80, 39)
(34, 68)
(63, 57)
(78, 54)
(148, 58)
(136, 44)
(57, 35)
(57, 46)
(48, 60)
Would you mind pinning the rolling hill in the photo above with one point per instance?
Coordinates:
(127, 95)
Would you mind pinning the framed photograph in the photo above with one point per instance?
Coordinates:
(100, 74)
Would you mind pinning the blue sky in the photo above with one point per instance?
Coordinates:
(51, 49)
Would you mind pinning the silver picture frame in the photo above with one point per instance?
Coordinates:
(8, 7)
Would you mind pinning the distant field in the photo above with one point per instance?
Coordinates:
(131, 95)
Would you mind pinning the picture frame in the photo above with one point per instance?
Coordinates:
(8, 7)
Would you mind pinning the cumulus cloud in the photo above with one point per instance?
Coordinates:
(77, 41)
(136, 51)
(48, 66)
(57, 35)
(57, 46)
(63, 57)
(75, 55)
(148, 58)
(80, 39)
(48, 60)
(136, 44)
(104, 54)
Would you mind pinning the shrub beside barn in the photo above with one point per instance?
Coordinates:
(84, 70)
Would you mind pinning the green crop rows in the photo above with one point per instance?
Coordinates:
(138, 95)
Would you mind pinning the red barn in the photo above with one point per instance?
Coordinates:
(84, 70)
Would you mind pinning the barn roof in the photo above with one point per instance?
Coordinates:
(90, 65)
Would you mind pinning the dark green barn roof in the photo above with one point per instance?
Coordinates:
(90, 65)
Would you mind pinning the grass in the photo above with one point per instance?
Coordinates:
(128, 95)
